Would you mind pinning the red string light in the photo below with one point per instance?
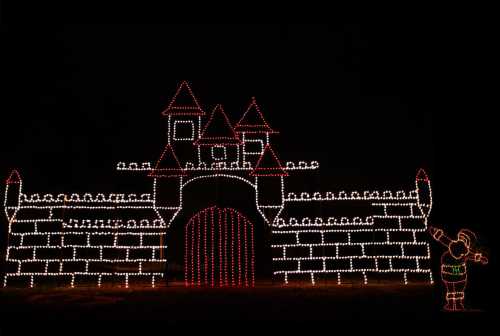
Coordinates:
(226, 281)
(268, 164)
(212, 229)
(253, 121)
(192, 108)
(231, 266)
(167, 165)
(217, 125)
(239, 249)
(14, 178)
(205, 259)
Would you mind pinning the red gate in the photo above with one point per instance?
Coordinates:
(219, 249)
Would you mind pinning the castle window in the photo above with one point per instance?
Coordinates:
(219, 153)
(253, 146)
(183, 130)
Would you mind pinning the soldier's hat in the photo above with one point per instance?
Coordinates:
(467, 236)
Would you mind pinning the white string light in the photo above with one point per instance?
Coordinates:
(55, 241)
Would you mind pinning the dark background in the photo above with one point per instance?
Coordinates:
(371, 102)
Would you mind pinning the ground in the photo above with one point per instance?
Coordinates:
(265, 302)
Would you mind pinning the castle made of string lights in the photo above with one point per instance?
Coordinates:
(72, 239)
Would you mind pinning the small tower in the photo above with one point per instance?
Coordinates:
(269, 178)
(218, 143)
(424, 193)
(167, 182)
(254, 132)
(13, 190)
(184, 115)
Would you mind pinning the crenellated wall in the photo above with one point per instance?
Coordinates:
(388, 243)
(85, 240)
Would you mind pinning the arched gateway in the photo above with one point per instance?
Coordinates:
(219, 249)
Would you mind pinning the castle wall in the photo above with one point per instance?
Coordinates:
(386, 241)
(119, 240)
(95, 241)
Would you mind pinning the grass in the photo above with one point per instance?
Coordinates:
(264, 302)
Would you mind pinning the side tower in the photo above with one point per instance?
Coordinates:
(257, 153)
(270, 181)
(254, 132)
(184, 115)
(13, 190)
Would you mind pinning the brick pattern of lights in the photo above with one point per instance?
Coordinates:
(119, 239)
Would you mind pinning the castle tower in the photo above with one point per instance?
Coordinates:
(167, 182)
(219, 143)
(13, 190)
(254, 132)
(424, 193)
(269, 178)
(184, 115)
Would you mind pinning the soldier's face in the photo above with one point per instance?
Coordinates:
(458, 249)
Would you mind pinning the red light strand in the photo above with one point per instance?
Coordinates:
(246, 251)
(205, 259)
(212, 229)
(232, 269)
(239, 249)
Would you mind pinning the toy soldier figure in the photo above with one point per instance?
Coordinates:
(454, 264)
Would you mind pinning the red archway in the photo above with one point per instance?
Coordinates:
(219, 249)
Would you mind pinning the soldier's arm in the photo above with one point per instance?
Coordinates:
(439, 236)
(477, 256)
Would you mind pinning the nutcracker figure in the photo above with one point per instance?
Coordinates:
(454, 264)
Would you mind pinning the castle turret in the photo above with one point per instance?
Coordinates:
(254, 132)
(269, 178)
(167, 175)
(424, 193)
(218, 142)
(184, 115)
(13, 190)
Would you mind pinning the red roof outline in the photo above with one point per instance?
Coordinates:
(177, 171)
(278, 170)
(222, 140)
(422, 175)
(14, 177)
(242, 126)
(193, 110)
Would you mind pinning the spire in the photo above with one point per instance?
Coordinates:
(14, 177)
(253, 121)
(218, 130)
(168, 165)
(422, 175)
(184, 102)
(268, 164)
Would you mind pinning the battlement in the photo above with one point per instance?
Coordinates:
(202, 166)
(390, 243)
(51, 249)
(85, 198)
(353, 195)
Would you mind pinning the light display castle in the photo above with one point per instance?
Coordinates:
(121, 239)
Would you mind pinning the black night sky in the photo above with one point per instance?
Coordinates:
(372, 103)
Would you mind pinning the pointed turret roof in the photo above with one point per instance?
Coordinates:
(218, 130)
(14, 177)
(422, 175)
(167, 165)
(184, 102)
(253, 121)
(268, 164)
